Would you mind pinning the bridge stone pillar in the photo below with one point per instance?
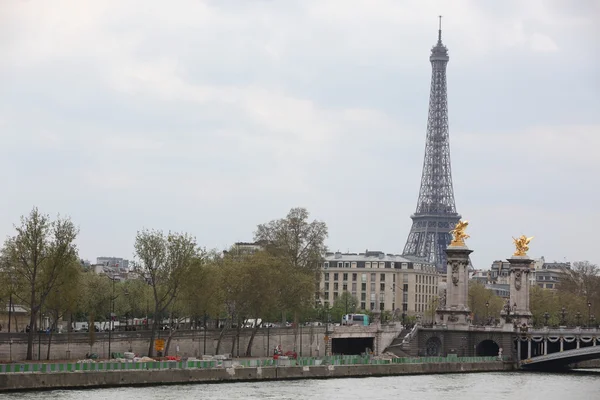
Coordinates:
(453, 308)
(520, 267)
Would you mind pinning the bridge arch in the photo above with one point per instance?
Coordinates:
(433, 346)
(487, 348)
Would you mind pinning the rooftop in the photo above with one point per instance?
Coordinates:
(369, 256)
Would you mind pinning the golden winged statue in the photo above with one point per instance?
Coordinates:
(459, 234)
(522, 245)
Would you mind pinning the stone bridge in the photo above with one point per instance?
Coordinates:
(561, 360)
(556, 348)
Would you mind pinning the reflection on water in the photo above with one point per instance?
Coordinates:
(493, 386)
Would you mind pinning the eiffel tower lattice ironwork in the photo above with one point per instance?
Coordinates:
(436, 212)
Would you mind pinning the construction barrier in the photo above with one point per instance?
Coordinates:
(302, 361)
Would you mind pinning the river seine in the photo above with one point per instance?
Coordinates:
(488, 386)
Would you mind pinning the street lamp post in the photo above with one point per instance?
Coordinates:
(563, 312)
(112, 310)
(507, 309)
(487, 312)
(205, 333)
(589, 315)
(592, 319)
(546, 318)
(578, 318)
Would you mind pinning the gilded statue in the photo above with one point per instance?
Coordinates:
(459, 234)
(522, 245)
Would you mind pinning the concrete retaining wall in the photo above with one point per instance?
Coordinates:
(73, 346)
(72, 380)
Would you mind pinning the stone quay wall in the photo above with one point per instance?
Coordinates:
(79, 380)
(308, 342)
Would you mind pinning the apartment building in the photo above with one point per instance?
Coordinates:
(379, 281)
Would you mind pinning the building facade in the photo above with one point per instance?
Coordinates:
(113, 262)
(549, 275)
(380, 282)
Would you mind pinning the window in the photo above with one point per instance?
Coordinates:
(363, 296)
(345, 287)
(336, 286)
(381, 264)
(340, 264)
(326, 285)
(354, 286)
(347, 264)
(326, 276)
(372, 296)
(372, 306)
(405, 307)
(326, 264)
(345, 276)
(368, 265)
(362, 305)
(405, 288)
(326, 296)
(354, 264)
(382, 277)
(392, 264)
(364, 277)
(381, 306)
(353, 277)
(373, 277)
(405, 278)
(335, 276)
(335, 295)
(394, 278)
(372, 286)
(363, 287)
(382, 287)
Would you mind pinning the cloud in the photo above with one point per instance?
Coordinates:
(214, 116)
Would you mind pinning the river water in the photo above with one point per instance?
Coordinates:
(488, 386)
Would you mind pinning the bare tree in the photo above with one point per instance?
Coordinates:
(38, 256)
(294, 239)
(163, 261)
(300, 246)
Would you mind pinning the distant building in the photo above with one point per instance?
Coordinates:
(380, 282)
(244, 248)
(543, 274)
(549, 275)
(114, 262)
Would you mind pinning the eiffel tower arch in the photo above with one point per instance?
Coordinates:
(436, 214)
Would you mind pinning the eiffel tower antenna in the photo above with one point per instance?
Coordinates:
(436, 214)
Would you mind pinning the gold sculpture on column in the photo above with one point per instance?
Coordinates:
(522, 245)
(459, 234)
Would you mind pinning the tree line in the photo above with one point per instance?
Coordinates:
(172, 278)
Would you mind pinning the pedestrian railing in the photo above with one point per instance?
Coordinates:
(101, 366)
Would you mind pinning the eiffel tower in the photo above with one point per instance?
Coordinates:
(436, 212)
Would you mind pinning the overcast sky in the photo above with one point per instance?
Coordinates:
(211, 117)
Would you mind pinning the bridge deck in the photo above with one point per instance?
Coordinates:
(563, 358)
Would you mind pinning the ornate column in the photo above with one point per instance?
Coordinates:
(520, 266)
(453, 307)
(562, 344)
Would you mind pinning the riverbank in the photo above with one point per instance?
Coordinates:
(103, 379)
